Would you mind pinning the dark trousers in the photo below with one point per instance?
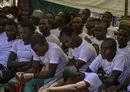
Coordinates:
(6, 74)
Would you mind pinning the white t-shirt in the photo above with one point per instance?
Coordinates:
(96, 41)
(54, 55)
(53, 39)
(24, 52)
(118, 63)
(83, 35)
(85, 29)
(55, 31)
(128, 43)
(110, 32)
(5, 47)
(125, 51)
(3, 36)
(37, 30)
(93, 80)
(84, 52)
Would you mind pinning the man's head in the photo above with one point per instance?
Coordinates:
(11, 29)
(123, 37)
(39, 44)
(27, 30)
(25, 15)
(85, 14)
(124, 23)
(108, 49)
(100, 31)
(36, 16)
(90, 23)
(77, 24)
(6, 9)
(3, 20)
(14, 10)
(50, 16)
(60, 13)
(65, 16)
(68, 37)
(58, 22)
(45, 26)
(71, 75)
(107, 17)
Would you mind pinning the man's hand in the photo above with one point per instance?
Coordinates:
(46, 90)
(28, 76)
(72, 62)
(111, 89)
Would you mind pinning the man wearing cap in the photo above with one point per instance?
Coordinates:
(35, 18)
(75, 81)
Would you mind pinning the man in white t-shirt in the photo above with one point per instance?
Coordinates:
(85, 14)
(90, 23)
(58, 24)
(45, 27)
(75, 81)
(81, 53)
(77, 25)
(5, 46)
(3, 20)
(35, 19)
(100, 32)
(21, 54)
(107, 18)
(112, 63)
(124, 48)
(53, 59)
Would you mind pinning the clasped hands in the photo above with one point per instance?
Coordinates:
(24, 76)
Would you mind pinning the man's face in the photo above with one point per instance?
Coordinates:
(34, 20)
(123, 37)
(90, 23)
(25, 33)
(11, 31)
(50, 17)
(84, 14)
(106, 18)
(67, 41)
(106, 50)
(44, 26)
(25, 15)
(100, 33)
(57, 21)
(40, 50)
(77, 24)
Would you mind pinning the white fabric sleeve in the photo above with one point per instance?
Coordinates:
(35, 56)
(119, 63)
(92, 79)
(85, 55)
(96, 63)
(70, 56)
(14, 47)
(55, 56)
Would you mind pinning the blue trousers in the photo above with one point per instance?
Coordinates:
(34, 84)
